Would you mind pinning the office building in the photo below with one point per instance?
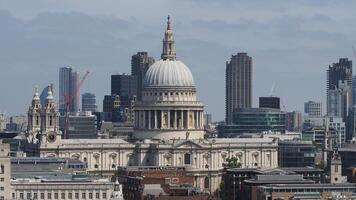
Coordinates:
(324, 191)
(339, 88)
(269, 102)
(296, 153)
(313, 109)
(238, 84)
(339, 102)
(44, 94)
(354, 90)
(339, 126)
(68, 82)
(254, 120)
(89, 102)
(82, 125)
(140, 63)
(125, 86)
(5, 171)
(351, 124)
(208, 119)
(294, 121)
(163, 182)
(237, 181)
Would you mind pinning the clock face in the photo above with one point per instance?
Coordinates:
(51, 137)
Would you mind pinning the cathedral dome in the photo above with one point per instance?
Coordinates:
(169, 73)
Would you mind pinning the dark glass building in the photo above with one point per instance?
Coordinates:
(140, 63)
(296, 153)
(269, 102)
(254, 120)
(125, 86)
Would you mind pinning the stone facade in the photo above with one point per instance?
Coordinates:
(168, 131)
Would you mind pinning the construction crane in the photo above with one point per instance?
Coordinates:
(69, 98)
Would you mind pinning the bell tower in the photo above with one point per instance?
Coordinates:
(34, 119)
(168, 52)
(50, 120)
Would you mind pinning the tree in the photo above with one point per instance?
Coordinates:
(233, 162)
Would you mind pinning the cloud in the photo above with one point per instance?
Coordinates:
(290, 43)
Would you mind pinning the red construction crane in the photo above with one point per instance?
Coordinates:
(69, 98)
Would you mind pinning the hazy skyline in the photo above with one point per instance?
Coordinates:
(291, 43)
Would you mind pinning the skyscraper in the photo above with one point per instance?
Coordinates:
(67, 88)
(313, 109)
(339, 88)
(140, 63)
(354, 90)
(125, 86)
(269, 102)
(89, 102)
(238, 84)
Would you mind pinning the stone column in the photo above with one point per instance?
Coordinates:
(169, 119)
(201, 119)
(149, 119)
(175, 120)
(155, 116)
(181, 120)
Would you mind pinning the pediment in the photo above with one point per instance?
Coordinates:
(187, 144)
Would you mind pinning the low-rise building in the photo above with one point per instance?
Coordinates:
(306, 191)
(254, 120)
(160, 182)
(296, 153)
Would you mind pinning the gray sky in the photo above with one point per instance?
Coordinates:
(291, 43)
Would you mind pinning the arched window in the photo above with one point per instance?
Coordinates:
(50, 120)
(206, 182)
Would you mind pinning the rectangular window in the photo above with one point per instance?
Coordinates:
(84, 195)
(2, 170)
(90, 195)
(76, 195)
(104, 195)
(49, 195)
(35, 195)
(2, 179)
(21, 195)
(187, 159)
(70, 196)
(42, 195)
(2, 188)
(63, 195)
(13, 195)
(28, 195)
(56, 195)
(336, 169)
(2, 198)
(97, 195)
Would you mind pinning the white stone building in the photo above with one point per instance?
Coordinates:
(168, 130)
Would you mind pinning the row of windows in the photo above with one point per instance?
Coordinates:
(166, 93)
(62, 195)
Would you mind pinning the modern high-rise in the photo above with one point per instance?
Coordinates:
(313, 109)
(238, 84)
(269, 102)
(125, 86)
(68, 81)
(354, 90)
(339, 102)
(89, 102)
(339, 80)
(140, 63)
(294, 121)
(44, 94)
